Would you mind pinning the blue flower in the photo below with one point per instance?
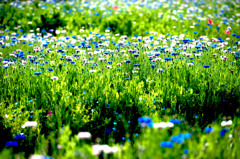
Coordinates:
(224, 131)
(128, 61)
(186, 135)
(146, 120)
(108, 130)
(19, 137)
(208, 129)
(12, 144)
(167, 144)
(178, 139)
(206, 66)
(168, 59)
(185, 151)
(175, 121)
(136, 55)
(135, 65)
(153, 66)
(37, 73)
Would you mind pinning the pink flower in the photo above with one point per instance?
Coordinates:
(227, 32)
(49, 113)
(115, 7)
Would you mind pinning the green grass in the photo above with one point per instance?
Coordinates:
(109, 102)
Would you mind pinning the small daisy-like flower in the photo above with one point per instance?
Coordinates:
(54, 77)
(84, 135)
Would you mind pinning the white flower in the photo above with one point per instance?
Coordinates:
(37, 157)
(189, 64)
(30, 124)
(97, 149)
(91, 71)
(54, 77)
(59, 146)
(163, 125)
(226, 123)
(84, 135)
(101, 59)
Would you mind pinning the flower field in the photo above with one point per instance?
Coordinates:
(120, 79)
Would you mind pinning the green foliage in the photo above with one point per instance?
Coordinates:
(104, 103)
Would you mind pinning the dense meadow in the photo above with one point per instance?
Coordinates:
(120, 79)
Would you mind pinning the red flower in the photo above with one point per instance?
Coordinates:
(216, 24)
(227, 32)
(210, 22)
(115, 7)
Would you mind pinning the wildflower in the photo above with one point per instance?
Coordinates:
(167, 144)
(160, 70)
(208, 129)
(91, 71)
(101, 59)
(19, 137)
(49, 113)
(175, 121)
(163, 125)
(84, 135)
(153, 66)
(54, 77)
(12, 144)
(210, 22)
(227, 32)
(178, 139)
(37, 157)
(223, 131)
(223, 58)
(145, 121)
(136, 65)
(37, 73)
(115, 7)
(168, 59)
(226, 123)
(185, 151)
(30, 124)
(97, 149)
(206, 66)
(128, 61)
(136, 55)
